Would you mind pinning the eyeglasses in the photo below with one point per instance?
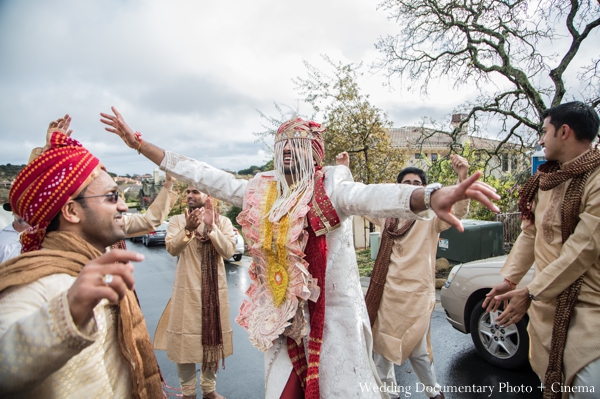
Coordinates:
(414, 182)
(113, 198)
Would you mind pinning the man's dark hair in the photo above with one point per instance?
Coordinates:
(55, 222)
(413, 170)
(582, 118)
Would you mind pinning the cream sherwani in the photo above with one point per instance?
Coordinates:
(346, 367)
(179, 329)
(557, 266)
(408, 296)
(55, 359)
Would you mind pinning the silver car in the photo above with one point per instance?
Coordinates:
(158, 236)
(462, 297)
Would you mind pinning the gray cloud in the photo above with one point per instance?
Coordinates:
(189, 75)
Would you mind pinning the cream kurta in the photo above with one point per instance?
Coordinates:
(557, 266)
(54, 358)
(408, 296)
(179, 329)
(346, 367)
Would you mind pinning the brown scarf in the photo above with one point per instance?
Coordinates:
(382, 263)
(212, 334)
(67, 253)
(548, 176)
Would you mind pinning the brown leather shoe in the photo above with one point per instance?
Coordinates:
(189, 396)
(212, 395)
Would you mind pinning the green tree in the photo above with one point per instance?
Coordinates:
(505, 51)
(353, 123)
(249, 171)
(232, 214)
(506, 185)
(180, 188)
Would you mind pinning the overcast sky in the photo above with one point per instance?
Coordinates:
(189, 75)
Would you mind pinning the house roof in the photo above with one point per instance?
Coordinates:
(411, 137)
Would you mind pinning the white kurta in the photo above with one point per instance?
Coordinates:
(346, 369)
(10, 246)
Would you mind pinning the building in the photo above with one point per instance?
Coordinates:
(424, 146)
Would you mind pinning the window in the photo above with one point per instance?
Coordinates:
(434, 157)
(514, 164)
(505, 162)
(418, 155)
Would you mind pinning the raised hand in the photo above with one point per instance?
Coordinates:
(193, 218)
(461, 166)
(342, 159)
(59, 125)
(120, 128)
(91, 285)
(443, 199)
(209, 214)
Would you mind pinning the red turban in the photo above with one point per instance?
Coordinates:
(48, 182)
(301, 129)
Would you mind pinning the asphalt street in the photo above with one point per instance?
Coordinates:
(458, 366)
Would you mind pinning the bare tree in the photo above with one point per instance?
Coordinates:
(504, 50)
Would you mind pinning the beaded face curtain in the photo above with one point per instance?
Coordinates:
(302, 172)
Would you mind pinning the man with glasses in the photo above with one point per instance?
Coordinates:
(401, 295)
(70, 324)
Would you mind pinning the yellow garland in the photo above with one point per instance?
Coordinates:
(276, 255)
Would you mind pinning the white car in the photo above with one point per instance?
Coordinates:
(239, 245)
(462, 297)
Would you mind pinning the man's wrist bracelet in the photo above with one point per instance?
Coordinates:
(138, 136)
(512, 285)
(532, 297)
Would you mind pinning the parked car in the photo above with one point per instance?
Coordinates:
(158, 236)
(239, 245)
(462, 297)
(137, 238)
(134, 238)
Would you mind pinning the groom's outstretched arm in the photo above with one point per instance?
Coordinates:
(116, 124)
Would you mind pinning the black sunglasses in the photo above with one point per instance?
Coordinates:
(110, 197)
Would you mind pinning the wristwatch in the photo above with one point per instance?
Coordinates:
(188, 233)
(429, 189)
(532, 297)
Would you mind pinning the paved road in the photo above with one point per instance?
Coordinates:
(457, 364)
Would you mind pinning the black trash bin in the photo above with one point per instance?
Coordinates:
(481, 239)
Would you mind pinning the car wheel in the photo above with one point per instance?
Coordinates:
(503, 347)
(237, 257)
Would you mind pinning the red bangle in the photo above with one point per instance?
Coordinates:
(138, 136)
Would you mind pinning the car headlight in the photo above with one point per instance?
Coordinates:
(453, 272)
